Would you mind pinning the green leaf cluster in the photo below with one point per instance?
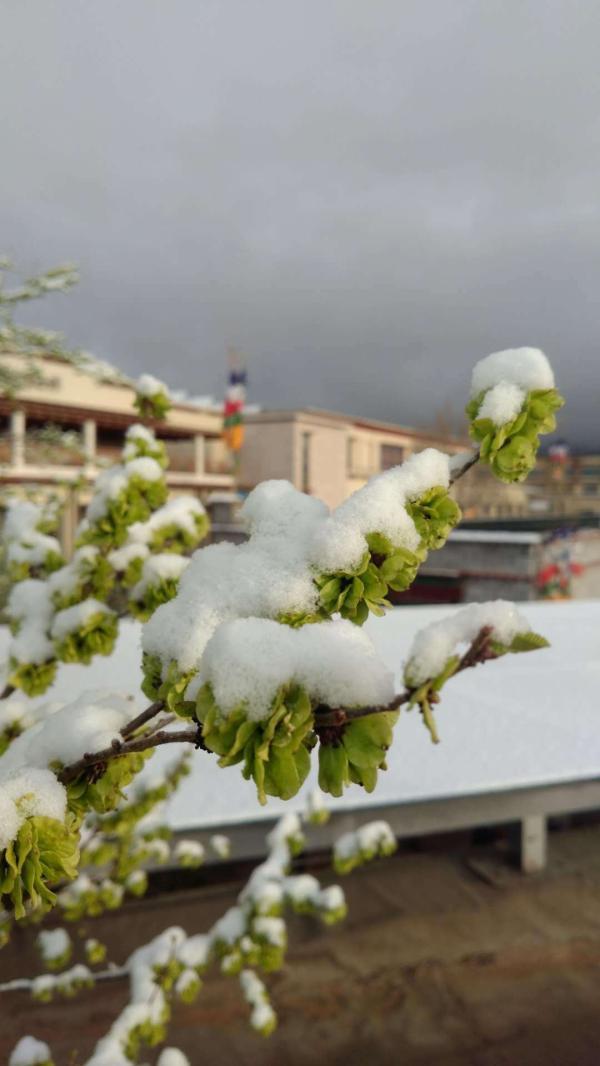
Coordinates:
(95, 636)
(134, 504)
(140, 448)
(435, 515)
(20, 571)
(380, 848)
(32, 678)
(274, 752)
(527, 641)
(153, 407)
(44, 852)
(95, 580)
(154, 595)
(172, 537)
(171, 687)
(100, 792)
(510, 450)
(357, 753)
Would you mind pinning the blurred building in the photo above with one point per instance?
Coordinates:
(74, 423)
(330, 455)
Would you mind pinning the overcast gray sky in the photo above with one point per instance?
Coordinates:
(364, 196)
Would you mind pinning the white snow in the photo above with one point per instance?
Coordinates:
(379, 507)
(528, 368)
(32, 548)
(30, 604)
(179, 511)
(189, 849)
(147, 385)
(22, 518)
(368, 838)
(172, 1056)
(112, 482)
(502, 403)
(120, 558)
(434, 644)
(72, 618)
(160, 567)
(89, 723)
(248, 660)
(54, 943)
(30, 1052)
(255, 993)
(26, 793)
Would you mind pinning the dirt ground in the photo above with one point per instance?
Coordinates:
(446, 958)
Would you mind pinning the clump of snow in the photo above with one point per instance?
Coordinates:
(26, 793)
(172, 1056)
(189, 849)
(502, 403)
(528, 368)
(112, 482)
(54, 943)
(434, 644)
(179, 512)
(10, 820)
(266, 576)
(33, 548)
(66, 580)
(15, 713)
(248, 660)
(22, 518)
(369, 839)
(292, 538)
(221, 845)
(145, 468)
(147, 385)
(379, 507)
(90, 723)
(161, 567)
(73, 618)
(30, 1052)
(120, 558)
(140, 432)
(30, 604)
(262, 1015)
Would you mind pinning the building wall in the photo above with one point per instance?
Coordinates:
(323, 453)
(75, 388)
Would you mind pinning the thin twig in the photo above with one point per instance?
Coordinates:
(125, 747)
(145, 716)
(7, 691)
(472, 458)
(477, 652)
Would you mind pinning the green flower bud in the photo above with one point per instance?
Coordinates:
(274, 751)
(511, 449)
(44, 852)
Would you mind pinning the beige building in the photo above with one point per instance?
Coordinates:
(331, 455)
(74, 423)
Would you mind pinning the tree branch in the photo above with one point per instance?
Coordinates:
(145, 716)
(126, 747)
(469, 460)
(478, 652)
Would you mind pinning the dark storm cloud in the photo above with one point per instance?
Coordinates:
(364, 196)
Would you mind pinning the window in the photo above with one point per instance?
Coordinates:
(391, 455)
(305, 462)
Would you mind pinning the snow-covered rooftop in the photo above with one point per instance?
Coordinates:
(525, 720)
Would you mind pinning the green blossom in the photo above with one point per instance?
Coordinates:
(44, 852)
(274, 751)
(511, 449)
